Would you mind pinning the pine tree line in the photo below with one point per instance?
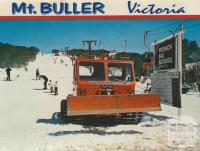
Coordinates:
(16, 56)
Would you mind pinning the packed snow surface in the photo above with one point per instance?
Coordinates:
(30, 117)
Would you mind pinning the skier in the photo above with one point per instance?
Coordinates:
(72, 59)
(54, 60)
(56, 88)
(45, 80)
(8, 73)
(198, 85)
(51, 86)
(37, 74)
(148, 88)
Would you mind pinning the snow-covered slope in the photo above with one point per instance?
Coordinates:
(29, 116)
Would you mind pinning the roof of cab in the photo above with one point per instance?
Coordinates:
(104, 60)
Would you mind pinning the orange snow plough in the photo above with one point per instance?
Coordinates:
(106, 87)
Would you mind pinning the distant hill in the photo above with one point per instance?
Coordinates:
(84, 51)
(16, 56)
(191, 53)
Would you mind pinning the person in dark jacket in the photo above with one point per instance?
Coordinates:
(8, 73)
(56, 88)
(148, 88)
(198, 85)
(37, 74)
(45, 80)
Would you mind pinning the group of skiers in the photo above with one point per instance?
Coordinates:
(53, 88)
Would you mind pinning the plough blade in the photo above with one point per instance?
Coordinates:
(111, 104)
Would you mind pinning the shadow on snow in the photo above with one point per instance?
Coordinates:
(94, 131)
(102, 121)
(92, 124)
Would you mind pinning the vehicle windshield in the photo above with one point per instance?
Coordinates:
(93, 71)
(120, 72)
